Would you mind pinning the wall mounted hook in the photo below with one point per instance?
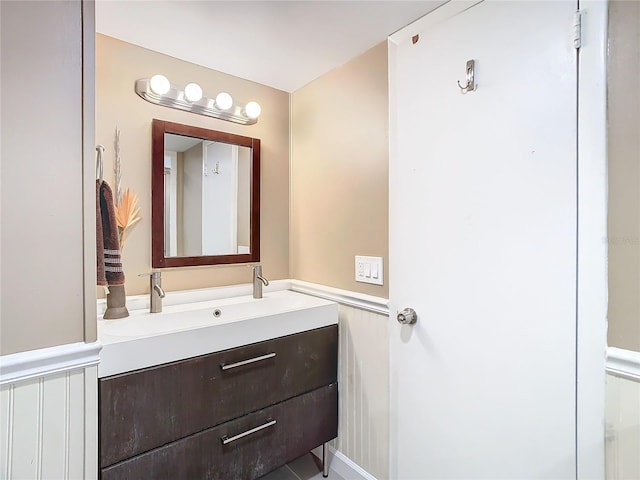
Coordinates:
(470, 86)
(99, 166)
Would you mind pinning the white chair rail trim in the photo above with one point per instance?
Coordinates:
(623, 363)
(346, 297)
(22, 366)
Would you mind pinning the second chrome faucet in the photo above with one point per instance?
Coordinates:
(258, 281)
(156, 292)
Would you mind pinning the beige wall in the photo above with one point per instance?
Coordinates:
(118, 66)
(42, 276)
(624, 174)
(339, 173)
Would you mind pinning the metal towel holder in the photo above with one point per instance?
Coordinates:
(99, 168)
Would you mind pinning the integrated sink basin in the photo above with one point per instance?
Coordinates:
(182, 331)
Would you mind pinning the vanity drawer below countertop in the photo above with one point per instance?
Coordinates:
(149, 408)
(276, 435)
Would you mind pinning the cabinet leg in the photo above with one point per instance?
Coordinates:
(325, 460)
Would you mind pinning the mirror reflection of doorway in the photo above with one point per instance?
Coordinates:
(206, 196)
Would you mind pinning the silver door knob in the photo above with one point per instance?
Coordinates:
(408, 316)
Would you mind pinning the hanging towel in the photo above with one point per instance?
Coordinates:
(109, 263)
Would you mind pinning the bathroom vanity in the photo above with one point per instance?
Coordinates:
(230, 413)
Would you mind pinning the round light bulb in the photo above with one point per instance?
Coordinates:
(193, 92)
(160, 84)
(224, 101)
(252, 110)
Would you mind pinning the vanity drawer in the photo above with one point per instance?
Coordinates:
(142, 410)
(301, 424)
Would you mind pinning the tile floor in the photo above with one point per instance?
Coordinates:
(306, 467)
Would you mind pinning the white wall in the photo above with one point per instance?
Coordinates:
(363, 430)
(623, 428)
(43, 427)
(49, 413)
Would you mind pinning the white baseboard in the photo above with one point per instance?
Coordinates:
(343, 465)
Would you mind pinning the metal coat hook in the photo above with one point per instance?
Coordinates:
(471, 83)
(100, 149)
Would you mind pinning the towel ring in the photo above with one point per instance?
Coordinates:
(100, 149)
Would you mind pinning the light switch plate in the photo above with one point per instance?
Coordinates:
(369, 270)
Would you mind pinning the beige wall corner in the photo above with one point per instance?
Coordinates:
(118, 66)
(89, 167)
(339, 173)
(42, 185)
(623, 103)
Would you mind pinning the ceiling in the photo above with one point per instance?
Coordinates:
(283, 44)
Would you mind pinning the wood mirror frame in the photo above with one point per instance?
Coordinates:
(158, 257)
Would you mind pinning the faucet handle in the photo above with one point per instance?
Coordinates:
(155, 282)
(155, 276)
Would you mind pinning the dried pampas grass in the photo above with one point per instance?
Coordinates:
(127, 211)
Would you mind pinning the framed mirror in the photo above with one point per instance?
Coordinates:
(205, 192)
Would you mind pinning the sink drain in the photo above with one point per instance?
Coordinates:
(217, 312)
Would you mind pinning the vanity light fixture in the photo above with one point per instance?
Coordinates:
(159, 90)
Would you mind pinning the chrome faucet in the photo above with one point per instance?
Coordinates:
(155, 291)
(258, 281)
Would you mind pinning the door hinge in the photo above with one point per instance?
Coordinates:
(577, 29)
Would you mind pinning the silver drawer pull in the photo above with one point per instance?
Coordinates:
(246, 362)
(226, 440)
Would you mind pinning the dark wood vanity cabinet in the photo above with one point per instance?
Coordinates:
(186, 419)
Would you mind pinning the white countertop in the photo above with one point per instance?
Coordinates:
(191, 329)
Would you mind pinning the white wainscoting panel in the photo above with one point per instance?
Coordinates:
(363, 376)
(623, 428)
(43, 427)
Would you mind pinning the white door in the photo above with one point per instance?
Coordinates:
(483, 244)
(219, 198)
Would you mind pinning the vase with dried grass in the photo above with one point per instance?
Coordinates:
(127, 216)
